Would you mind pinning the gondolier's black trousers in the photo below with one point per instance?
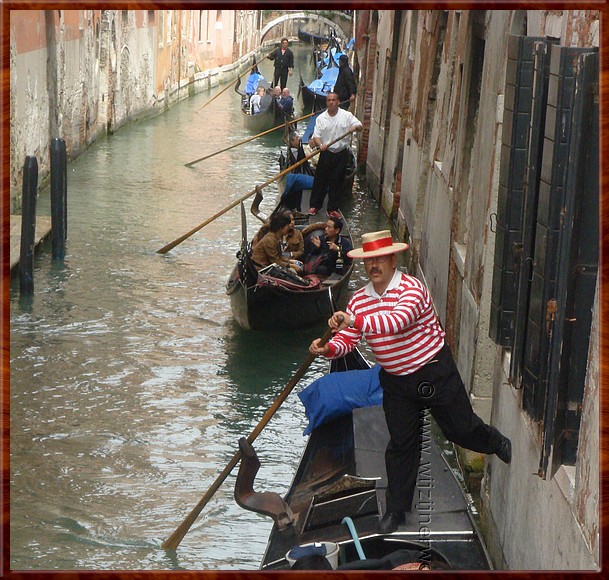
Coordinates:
(329, 176)
(437, 386)
(280, 77)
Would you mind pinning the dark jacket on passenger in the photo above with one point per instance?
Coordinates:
(326, 258)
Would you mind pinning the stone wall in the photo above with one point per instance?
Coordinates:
(81, 74)
(433, 101)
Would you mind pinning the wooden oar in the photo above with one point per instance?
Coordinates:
(191, 163)
(187, 235)
(233, 82)
(174, 540)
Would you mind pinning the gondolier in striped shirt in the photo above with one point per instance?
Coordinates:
(395, 313)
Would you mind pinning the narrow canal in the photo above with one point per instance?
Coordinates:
(130, 381)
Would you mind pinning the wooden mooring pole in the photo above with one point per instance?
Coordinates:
(28, 226)
(59, 190)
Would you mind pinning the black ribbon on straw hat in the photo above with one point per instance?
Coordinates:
(377, 244)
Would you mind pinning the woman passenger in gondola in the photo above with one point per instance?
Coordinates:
(282, 244)
(256, 99)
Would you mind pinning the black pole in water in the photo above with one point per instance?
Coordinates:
(59, 189)
(28, 226)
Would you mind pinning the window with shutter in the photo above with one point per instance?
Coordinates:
(546, 254)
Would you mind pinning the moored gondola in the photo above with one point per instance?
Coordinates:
(314, 93)
(311, 38)
(338, 494)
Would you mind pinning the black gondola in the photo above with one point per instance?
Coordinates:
(290, 159)
(277, 299)
(263, 302)
(311, 38)
(270, 114)
(314, 93)
(338, 493)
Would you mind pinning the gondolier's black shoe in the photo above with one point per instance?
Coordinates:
(504, 451)
(390, 522)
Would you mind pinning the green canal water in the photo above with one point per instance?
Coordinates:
(130, 382)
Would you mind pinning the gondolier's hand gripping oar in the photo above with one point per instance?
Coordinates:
(174, 540)
(187, 235)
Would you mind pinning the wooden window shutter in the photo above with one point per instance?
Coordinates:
(577, 254)
(514, 142)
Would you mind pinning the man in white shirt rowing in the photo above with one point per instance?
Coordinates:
(333, 160)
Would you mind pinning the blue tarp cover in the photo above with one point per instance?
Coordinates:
(325, 83)
(337, 394)
(252, 83)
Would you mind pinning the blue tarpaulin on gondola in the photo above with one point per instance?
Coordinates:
(252, 83)
(337, 394)
(323, 85)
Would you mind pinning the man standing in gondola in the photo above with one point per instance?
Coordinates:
(284, 63)
(395, 313)
(345, 86)
(333, 160)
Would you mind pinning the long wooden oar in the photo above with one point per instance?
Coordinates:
(233, 82)
(174, 540)
(187, 235)
(191, 163)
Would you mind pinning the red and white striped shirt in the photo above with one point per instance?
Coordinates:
(400, 326)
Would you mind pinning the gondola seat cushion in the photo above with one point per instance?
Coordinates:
(337, 394)
(275, 275)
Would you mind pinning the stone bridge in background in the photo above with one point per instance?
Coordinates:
(310, 22)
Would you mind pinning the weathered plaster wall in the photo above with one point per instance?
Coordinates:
(534, 524)
(447, 153)
(78, 74)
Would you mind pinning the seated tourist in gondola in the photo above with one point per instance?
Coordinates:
(255, 101)
(282, 244)
(286, 102)
(298, 150)
(327, 253)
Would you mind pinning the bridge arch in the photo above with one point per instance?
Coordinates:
(311, 17)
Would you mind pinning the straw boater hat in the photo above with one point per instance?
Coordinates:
(377, 244)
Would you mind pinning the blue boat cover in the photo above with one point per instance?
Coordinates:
(336, 54)
(252, 83)
(323, 85)
(306, 137)
(337, 394)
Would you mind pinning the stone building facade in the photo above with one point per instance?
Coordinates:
(447, 100)
(81, 74)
